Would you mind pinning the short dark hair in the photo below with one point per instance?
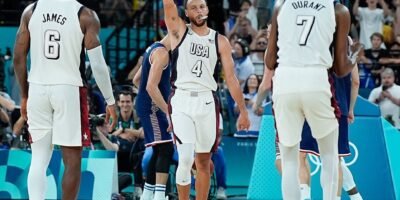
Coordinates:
(125, 93)
(376, 34)
(185, 2)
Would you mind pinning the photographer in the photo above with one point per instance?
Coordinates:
(127, 139)
(387, 96)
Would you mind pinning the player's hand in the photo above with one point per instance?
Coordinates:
(110, 112)
(169, 129)
(24, 102)
(258, 110)
(243, 122)
(350, 118)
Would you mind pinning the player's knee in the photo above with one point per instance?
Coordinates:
(164, 160)
(183, 172)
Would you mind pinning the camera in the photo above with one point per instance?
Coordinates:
(384, 87)
(96, 120)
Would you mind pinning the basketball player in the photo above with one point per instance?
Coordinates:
(152, 109)
(301, 87)
(57, 31)
(193, 104)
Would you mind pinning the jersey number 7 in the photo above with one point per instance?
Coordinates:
(307, 21)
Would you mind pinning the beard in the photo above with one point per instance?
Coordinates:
(194, 21)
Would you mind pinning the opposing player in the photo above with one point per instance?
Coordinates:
(152, 108)
(56, 32)
(301, 87)
(194, 111)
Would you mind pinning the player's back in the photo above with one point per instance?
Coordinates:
(57, 51)
(305, 32)
(143, 100)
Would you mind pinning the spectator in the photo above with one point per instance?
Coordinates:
(248, 9)
(127, 140)
(371, 19)
(243, 28)
(257, 55)
(243, 65)
(387, 97)
(263, 11)
(375, 58)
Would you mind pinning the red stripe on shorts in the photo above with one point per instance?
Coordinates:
(85, 131)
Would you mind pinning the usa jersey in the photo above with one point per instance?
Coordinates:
(57, 53)
(194, 62)
(143, 100)
(306, 29)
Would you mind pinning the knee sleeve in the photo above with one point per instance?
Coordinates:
(186, 159)
(41, 155)
(164, 157)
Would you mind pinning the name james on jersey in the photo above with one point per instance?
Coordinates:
(54, 17)
(308, 4)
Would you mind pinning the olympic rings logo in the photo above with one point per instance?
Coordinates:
(317, 161)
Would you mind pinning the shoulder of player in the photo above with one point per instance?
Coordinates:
(88, 17)
(28, 11)
(223, 43)
(341, 10)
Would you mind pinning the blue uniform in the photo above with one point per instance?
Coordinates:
(153, 119)
(342, 87)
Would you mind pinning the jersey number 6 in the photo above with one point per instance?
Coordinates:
(51, 44)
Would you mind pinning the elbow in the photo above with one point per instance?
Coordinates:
(150, 88)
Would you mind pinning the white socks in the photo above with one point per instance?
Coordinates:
(159, 192)
(305, 191)
(148, 193)
(356, 197)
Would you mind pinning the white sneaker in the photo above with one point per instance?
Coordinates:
(137, 193)
(221, 193)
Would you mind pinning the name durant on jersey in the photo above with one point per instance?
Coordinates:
(308, 4)
(53, 17)
(199, 50)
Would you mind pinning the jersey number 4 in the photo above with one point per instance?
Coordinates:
(197, 68)
(307, 21)
(52, 44)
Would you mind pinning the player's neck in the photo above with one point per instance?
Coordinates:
(372, 7)
(200, 30)
(126, 115)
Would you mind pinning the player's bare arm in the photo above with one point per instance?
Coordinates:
(225, 49)
(21, 49)
(175, 25)
(265, 85)
(271, 57)
(355, 85)
(159, 59)
(90, 25)
(341, 63)
(138, 76)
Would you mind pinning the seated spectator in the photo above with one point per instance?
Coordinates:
(243, 65)
(376, 57)
(127, 140)
(250, 97)
(387, 97)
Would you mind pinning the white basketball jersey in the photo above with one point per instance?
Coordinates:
(305, 33)
(194, 61)
(56, 43)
